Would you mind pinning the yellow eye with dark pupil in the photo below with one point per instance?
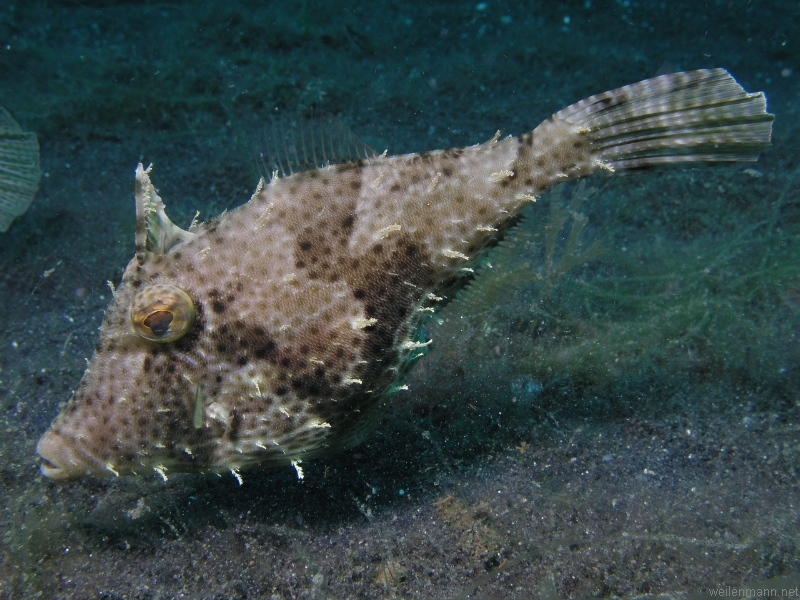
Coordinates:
(158, 322)
(162, 313)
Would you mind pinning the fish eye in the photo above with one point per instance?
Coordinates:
(162, 313)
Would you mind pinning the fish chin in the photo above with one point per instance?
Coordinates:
(64, 460)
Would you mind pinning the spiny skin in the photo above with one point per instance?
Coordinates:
(308, 302)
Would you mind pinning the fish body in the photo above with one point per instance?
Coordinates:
(275, 332)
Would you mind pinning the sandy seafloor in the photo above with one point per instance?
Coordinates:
(668, 470)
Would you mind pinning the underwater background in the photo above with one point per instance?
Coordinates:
(610, 410)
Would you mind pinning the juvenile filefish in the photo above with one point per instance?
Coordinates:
(275, 332)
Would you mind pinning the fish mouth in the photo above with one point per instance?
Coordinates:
(63, 459)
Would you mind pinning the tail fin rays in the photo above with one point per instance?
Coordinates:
(693, 116)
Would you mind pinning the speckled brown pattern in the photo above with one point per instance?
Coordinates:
(308, 298)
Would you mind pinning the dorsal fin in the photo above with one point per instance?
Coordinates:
(288, 146)
(155, 233)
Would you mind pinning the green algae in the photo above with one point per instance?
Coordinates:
(708, 299)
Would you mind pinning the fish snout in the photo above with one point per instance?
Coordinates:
(63, 459)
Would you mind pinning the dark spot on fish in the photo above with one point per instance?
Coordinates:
(265, 349)
(359, 294)
(305, 246)
(355, 185)
(447, 171)
(174, 425)
(396, 187)
(219, 302)
(241, 361)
